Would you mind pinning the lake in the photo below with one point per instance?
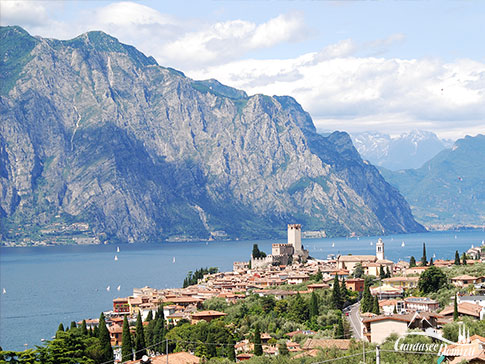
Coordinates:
(48, 285)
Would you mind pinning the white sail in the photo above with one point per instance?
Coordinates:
(402, 244)
(108, 288)
(333, 245)
(116, 257)
(117, 249)
(173, 260)
(118, 288)
(4, 291)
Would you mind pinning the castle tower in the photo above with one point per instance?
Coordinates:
(294, 236)
(380, 249)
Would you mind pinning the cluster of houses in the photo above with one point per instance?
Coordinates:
(289, 265)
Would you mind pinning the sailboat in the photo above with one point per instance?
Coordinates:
(173, 260)
(371, 243)
(117, 249)
(402, 244)
(116, 257)
(333, 245)
(4, 291)
(108, 288)
(118, 288)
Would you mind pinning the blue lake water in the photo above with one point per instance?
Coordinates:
(48, 285)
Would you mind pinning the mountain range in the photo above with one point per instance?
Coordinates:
(448, 190)
(98, 143)
(406, 151)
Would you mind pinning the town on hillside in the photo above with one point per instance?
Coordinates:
(288, 306)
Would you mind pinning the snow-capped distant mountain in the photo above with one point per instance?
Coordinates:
(409, 150)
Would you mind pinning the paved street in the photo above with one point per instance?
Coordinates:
(354, 320)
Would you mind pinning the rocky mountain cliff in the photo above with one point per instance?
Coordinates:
(448, 190)
(98, 140)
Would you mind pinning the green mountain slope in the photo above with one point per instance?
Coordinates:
(98, 140)
(450, 188)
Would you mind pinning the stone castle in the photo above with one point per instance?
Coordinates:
(284, 254)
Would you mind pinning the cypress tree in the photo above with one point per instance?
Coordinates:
(367, 300)
(455, 309)
(431, 261)
(318, 277)
(339, 333)
(139, 339)
(230, 353)
(395, 309)
(313, 305)
(59, 329)
(159, 335)
(127, 346)
(382, 274)
(73, 325)
(344, 293)
(388, 272)
(457, 258)
(258, 348)
(96, 331)
(424, 260)
(90, 331)
(412, 262)
(84, 329)
(104, 340)
(375, 306)
(336, 296)
(463, 259)
(149, 316)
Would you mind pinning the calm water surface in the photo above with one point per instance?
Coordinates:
(48, 285)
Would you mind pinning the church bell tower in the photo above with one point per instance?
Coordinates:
(380, 249)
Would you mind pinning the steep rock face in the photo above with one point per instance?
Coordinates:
(96, 134)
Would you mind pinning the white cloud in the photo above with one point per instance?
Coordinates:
(369, 93)
(27, 13)
(229, 40)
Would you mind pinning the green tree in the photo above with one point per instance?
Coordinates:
(139, 338)
(457, 258)
(319, 276)
(431, 280)
(336, 295)
(127, 346)
(257, 253)
(104, 340)
(367, 300)
(283, 349)
(68, 347)
(258, 348)
(455, 309)
(60, 328)
(358, 271)
(431, 261)
(375, 306)
(388, 272)
(412, 262)
(463, 259)
(84, 328)
(424, 260)
(149, 316)
(230, 352)
(382, 274)
(339, 332)
(267, 303)
(344, 293)
(313, 305)
(298, 309)
(73, 325)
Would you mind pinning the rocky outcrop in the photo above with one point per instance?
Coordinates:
(93, 131)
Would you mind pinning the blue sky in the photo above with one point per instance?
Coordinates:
(388, 66)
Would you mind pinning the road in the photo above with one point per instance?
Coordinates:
(354, 319)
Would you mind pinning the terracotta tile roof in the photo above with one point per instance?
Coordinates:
(175, 358)
(342, 344)
(208, 313)
(465, 308)
(464, 278)
(356, 258)
(312, 353)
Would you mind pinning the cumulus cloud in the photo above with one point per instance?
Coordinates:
(26, 13)
(365, 93)
(229, 40)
